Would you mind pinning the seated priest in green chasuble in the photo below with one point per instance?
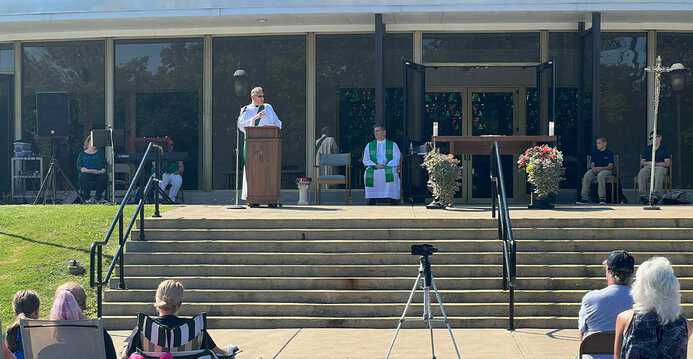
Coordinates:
(381, 157)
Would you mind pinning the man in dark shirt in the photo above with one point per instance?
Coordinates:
(601, 166)
(662, 163)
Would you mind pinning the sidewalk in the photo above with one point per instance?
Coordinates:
(325, 343)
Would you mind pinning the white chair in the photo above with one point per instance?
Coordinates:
(59, 339)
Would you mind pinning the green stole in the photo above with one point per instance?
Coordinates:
(257, 122)
(373, 151)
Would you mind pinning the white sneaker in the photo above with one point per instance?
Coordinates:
(602, 202)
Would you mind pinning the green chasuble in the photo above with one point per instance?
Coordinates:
(373, 152)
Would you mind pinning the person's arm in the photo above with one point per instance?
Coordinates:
(8, 354)
(622, 322)
(272, 116)
(245, 119)
(367, 158)
(689, 325)
(181, 168)
(666, 163)
(395, 156)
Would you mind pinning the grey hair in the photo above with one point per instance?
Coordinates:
(657, 289)
(621, 278)
(603, 139)
(255, 90)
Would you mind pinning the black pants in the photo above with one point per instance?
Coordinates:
(88, 179)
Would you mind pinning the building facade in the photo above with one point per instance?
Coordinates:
(170, 68)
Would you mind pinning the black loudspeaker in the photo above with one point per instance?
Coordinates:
(51, 114)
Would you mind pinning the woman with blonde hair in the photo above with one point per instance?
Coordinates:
(168, 301)
(654, 328)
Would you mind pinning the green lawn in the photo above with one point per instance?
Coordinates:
(37, 242)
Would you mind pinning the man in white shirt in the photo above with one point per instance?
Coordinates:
(381, 157)
(257, 113)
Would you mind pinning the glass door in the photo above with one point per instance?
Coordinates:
(468, 111)
(492, 112)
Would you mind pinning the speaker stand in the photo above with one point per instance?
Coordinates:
(49, 180)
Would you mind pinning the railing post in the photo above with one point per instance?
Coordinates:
(511, 309)
(142, 238)
(159, 175)
(121, 242)
(99, 271)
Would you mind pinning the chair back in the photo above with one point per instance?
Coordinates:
(59, 339)
(158, 337)
(334, 159)
(193, 354)
(597, 343)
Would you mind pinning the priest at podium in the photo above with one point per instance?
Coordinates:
(257, 113)
(381, 157)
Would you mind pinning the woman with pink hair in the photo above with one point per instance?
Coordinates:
(65, 307)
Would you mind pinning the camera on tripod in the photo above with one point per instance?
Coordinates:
(422, 249)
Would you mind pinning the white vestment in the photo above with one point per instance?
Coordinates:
(245, 119)
(328, 145)
(382, 189)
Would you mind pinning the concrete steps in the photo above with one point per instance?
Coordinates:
(289, 273)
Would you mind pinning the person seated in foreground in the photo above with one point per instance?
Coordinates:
(381, 157)
(600, 308)
(80, 296)
(654, 328)
(168, 301)
(601, 166)
(25, 304)
(92, 164)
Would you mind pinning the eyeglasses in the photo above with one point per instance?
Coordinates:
(657, 136)
(259, 95)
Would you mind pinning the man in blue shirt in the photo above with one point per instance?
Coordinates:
(662, 163)
(600, 308)
(601, 166)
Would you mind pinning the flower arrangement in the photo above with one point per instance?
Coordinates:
(544, 167)
(445, 175)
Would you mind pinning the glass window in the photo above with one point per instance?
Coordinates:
(676, 104)
(623, 101)
(506, 47)
(563, 50)
(6, 58)
(278, 65)
(158, 91)
(345, 67)
(76, 68)
(346, 90)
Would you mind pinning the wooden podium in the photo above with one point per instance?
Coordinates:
(263, 164)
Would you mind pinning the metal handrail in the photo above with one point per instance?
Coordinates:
(96, 253)
(505, 232)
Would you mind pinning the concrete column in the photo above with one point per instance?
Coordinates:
(109, 82)
(545, 83)
(17, 90)
(651, 59)
(311, 68)
(418, 47)
(207, 115)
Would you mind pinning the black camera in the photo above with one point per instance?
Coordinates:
(423, 249)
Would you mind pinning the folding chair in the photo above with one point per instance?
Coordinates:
(335, 160)
(58, 339)
(597, 343)
(185, 341)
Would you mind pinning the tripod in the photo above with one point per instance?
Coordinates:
(425, 284)
(50, 178)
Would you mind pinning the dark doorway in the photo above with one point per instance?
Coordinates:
(6, 131)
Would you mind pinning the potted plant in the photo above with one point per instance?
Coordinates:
(544, 167)
(444, 177)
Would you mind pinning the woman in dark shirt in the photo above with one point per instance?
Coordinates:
(92, 165)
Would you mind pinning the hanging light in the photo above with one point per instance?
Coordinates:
(678, 77)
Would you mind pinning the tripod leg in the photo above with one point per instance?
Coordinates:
(60, 170)
(428, 316)
(43, 185)
(404, 313)
(445, 316)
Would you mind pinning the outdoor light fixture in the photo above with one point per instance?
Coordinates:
(240, 82)
(678, 77)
